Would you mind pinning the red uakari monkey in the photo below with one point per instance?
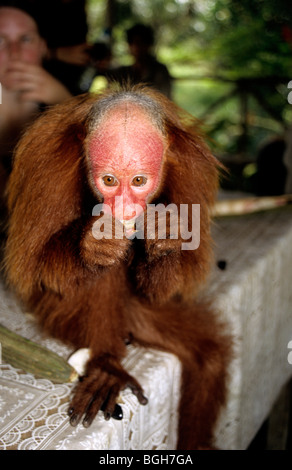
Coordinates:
(96, 284)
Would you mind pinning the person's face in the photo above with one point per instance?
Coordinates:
(138, 48)
(19, 40)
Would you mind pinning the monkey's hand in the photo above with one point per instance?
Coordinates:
(104, 242)
(161, 232)
(99, 389)
(155, 249)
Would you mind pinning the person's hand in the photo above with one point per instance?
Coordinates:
(34, 84)
(77, 55)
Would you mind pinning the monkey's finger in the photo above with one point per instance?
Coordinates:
(75, 417)
(137, 390)
(110, 408)
(80, 406)
(95, 405)
(83, 397)
(117, 414)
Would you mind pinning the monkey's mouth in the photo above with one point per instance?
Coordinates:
(130, 225)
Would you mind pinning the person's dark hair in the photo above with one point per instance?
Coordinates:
(143, 32)
(100, 51)
(28, 8)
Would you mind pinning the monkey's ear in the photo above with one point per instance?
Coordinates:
(50, 155)
(81, 134)
(75, 132)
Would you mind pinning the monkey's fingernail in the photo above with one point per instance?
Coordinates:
(88, 419)
(87, 422)
(142, 400)
(74, 420)
(221, 264)
(118, 413)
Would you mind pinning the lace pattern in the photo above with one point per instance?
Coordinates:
(33, 412)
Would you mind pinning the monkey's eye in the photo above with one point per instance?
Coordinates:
(139, 180)
(110, 180)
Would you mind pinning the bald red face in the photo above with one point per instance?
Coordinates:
(126, 153)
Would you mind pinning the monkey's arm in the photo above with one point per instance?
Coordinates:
(73, 255)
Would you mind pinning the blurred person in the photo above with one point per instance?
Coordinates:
(26, 86)
(271, 172)
(95, 75)
(146, 68)
(64, 24)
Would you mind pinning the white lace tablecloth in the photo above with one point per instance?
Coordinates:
(253, 293)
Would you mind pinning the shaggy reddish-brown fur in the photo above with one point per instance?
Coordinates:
(97, 293)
